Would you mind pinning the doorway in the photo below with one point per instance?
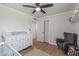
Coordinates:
(46, 31)
(40, 31)
(43, 31)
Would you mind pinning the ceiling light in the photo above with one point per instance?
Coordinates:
(38, 9)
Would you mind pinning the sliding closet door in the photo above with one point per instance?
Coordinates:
(40, 31)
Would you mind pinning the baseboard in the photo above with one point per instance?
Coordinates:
(53, 43)
(33, 38)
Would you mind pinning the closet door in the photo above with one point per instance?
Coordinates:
(46, 31)
(40, 31)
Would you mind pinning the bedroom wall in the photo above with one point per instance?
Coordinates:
(14, 20)
(77, 30)
(76, 20)
(34, 29)
(58, 24)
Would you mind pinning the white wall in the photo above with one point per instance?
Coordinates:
(33, 29)
(77, 30)
(58, 24)
(14, 20)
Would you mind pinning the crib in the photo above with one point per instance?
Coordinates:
(7, 50)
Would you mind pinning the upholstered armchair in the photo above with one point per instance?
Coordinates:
(69, 38)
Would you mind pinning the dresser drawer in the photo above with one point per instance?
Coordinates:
(11, 39)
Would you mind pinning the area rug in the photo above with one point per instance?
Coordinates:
(36, 52)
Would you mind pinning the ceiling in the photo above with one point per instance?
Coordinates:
(55, 9)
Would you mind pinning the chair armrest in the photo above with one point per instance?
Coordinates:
(77, 48)
(59, 40)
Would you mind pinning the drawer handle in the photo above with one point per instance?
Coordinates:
(11, 39)
(11, 44)
(19, 47)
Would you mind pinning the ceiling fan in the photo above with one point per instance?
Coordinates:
(38, 7)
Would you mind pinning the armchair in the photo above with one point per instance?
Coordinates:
(69, 38)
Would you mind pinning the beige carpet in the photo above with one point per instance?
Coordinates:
(36, 52)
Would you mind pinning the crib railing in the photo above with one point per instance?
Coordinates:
(7, 50)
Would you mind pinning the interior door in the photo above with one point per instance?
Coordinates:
(46, 31)
(40, 31)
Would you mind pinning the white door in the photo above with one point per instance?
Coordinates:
(40, 31)
(46, 31)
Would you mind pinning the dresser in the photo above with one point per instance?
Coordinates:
(18, 40)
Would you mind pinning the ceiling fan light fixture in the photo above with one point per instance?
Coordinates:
(38, 9)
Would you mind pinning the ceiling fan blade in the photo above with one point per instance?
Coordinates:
(47, 5)
(33, 11)
(43, 11)
(37, 4)
(28, 6)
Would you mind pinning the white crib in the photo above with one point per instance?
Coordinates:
(7, 50)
